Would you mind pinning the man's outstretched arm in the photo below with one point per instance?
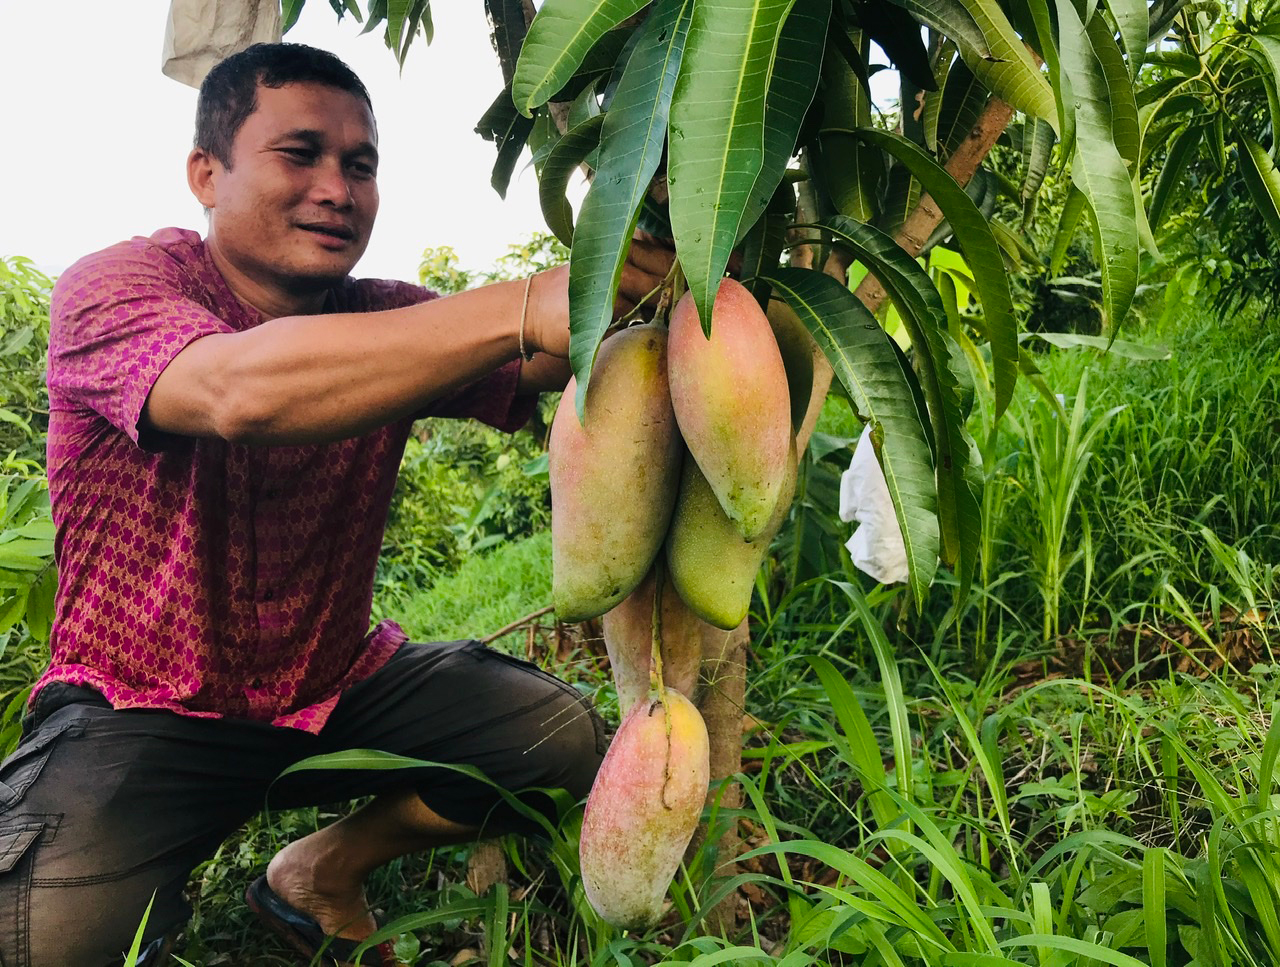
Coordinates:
(306, 379)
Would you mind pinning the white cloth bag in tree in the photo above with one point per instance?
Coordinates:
(199, 33)
(876, 546)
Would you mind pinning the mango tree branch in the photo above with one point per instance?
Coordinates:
(919, 225)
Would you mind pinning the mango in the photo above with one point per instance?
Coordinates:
(628, 638)
(732, 403)
(614, 476)
(712, 567)
(643, 809)
(797, 347)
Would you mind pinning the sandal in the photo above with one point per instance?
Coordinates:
(307, 936)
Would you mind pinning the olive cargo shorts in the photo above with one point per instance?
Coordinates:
(99, 808)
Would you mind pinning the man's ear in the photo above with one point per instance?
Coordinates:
(201, 167)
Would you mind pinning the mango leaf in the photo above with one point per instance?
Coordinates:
(1120, 97)
(635, 129)
(950, 18)
(569, 152)
(509, 130)
(901, 195)
(25, 554)
(963, 97)
(12, 609)
(1181, 149)
(845, 170)
(377, 14)
(1162, 13)
(40, 602)
(867, 367)
(896, 33)
(925, 318)
(1134, 22)
(507, 30)
(980, 250)
(1038, 31)
(1269, 46)
(763, 244)
(1068, 222)
(1125, 130)
(1037, 150)
(1098, 169)
(289, 11)
(557, 41)
(791, 88)
(1260, 176)
(1123, 348)
(992, 49)
(404, 19)
(716, 140)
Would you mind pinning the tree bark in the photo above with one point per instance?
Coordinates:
(926, 216)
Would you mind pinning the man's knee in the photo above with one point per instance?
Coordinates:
(569, 745)
(543, 734)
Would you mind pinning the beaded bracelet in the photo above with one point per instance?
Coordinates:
(524, 311)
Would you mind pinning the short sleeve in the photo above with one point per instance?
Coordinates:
(117, 319)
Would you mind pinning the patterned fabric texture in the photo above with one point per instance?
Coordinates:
(196, 575)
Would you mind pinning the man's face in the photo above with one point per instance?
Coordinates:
(297, 205)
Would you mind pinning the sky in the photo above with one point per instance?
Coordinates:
(94, 139)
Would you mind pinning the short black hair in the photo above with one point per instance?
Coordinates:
(229, 93)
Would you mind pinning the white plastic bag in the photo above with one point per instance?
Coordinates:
(876, 546)
(199, 33)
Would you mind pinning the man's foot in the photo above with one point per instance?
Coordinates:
(339, 907)
(305, 934)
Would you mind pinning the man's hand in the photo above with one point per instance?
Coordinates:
(547, 317)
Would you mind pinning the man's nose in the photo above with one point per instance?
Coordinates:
(331, 185)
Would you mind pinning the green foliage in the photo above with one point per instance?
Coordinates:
(463, 487)
(721, 96)
(24, 340)
(1209, 113)
(485, 594)
(440, 268)
(28, 578)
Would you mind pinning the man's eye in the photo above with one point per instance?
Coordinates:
(301, 154)
(364, 168)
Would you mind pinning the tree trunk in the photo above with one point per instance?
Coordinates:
(725, 664)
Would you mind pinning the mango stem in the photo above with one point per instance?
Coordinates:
(655, 668)
(655, 673)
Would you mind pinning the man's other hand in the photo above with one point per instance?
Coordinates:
(547, 317)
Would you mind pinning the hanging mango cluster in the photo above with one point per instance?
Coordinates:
(664, 500)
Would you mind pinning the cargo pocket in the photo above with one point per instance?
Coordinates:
(15, 841)
(15, 885)
(21, 769)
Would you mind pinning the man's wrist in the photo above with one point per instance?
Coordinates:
(546, 315)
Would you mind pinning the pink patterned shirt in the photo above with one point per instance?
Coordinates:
(195, 575)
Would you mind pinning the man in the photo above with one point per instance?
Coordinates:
(227, 417)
